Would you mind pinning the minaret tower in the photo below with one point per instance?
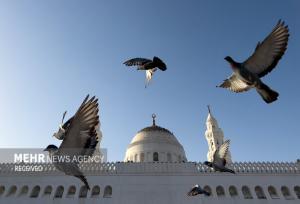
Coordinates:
(214, 136)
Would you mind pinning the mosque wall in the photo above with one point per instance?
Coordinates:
(130, 183)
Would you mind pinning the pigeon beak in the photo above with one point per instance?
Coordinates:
(45, 150)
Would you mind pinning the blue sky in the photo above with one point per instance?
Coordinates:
(53, 53)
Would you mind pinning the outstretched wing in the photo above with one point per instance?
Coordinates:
(159, 63)
(233, 83)
(137, 62)
(268, 53)
(221, 153)
(223, 149)
(81, 136)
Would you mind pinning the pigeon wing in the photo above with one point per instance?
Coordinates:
(81, 137)
(221, 153)
(137, 62)
(159, 63)
(268, 53)
(193, 192)
(233, 83)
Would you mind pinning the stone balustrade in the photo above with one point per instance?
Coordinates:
(158, 167)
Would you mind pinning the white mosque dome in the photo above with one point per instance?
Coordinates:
(155, 143)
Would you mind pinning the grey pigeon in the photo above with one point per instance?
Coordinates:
(150, 66)
(246, 75)
(219, 159)
(196, 190)
(79, 141)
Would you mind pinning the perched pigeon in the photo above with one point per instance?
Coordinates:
(219, 159)
(149, 65)
(196, 190)
(246, 75)
(80, 140)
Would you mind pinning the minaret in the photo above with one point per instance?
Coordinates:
(214, 136)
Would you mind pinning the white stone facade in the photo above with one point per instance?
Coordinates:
(155, 182)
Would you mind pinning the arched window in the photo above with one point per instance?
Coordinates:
(207, 189)
(246, 192)
(155, 156)
(2, 190)
(232, 191)
(273, 193)
(95, 192)
(12, 191)
(296, 189)
(169, 157)
(259, 192)
(59, 192)
(107, 192)
(83, 192)
(136, 158)
(142, 157)
(286, 193)
(35, 192)
(220, 191)
(71, 192)
(24, 191)
(47, 191)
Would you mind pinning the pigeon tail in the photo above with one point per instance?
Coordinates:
(83, 179)
(267, 93)
(229, 170)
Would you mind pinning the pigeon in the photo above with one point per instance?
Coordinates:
(196, 190)
(219, 159)
(246, 75)
(150, 66)
(79, 141)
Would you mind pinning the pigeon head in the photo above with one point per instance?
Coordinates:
(233, 63)
(50, 148)
(208, 163)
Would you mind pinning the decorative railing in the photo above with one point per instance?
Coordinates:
(158, 167)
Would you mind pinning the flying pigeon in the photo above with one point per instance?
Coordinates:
(80, 139)
(150, 66)
(219, 159)
(196, 190)
(246, 75)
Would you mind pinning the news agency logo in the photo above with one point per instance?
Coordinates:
(34, 160)
(28, 168)
(42, 158)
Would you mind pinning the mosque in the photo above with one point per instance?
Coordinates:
(156, 170)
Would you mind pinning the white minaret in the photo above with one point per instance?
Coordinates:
(214, 136)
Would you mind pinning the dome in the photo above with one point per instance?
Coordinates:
(155, 143)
